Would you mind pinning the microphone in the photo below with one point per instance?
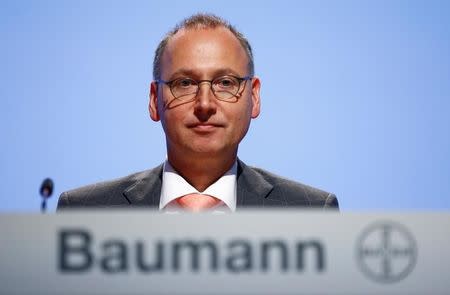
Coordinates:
(46, 192)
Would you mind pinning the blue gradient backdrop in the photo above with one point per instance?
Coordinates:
(355, 95)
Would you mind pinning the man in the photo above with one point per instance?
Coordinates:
(205, 94)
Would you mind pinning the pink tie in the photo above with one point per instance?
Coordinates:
(197, 202)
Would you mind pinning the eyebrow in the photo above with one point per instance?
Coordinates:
(193, 73)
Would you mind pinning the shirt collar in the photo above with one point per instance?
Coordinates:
(175, 186)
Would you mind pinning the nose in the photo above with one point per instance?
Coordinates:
(205, 104)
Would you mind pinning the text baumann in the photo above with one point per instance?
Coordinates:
(79, 252)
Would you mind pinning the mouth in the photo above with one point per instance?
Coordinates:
(205, 127)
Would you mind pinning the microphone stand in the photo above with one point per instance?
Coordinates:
(44, 205)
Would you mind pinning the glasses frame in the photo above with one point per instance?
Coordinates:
(236, 95)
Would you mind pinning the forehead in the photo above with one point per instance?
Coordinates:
(204, 52)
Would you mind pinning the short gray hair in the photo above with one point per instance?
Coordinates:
(202, 21)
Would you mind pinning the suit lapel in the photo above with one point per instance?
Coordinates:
(252, 188)
(146, 191)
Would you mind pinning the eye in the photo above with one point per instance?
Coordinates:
(226, 83)
(184, 83)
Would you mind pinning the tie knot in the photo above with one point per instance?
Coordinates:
(197, 202)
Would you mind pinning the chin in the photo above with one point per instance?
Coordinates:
(207, 150)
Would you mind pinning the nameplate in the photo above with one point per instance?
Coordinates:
(248, 252)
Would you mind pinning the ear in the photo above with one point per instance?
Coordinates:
(256, 87)
(153, 102)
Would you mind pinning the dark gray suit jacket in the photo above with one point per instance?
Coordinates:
(255, 188)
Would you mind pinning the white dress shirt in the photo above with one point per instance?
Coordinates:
(175, 186)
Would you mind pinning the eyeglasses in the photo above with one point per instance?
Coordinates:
(225, 88)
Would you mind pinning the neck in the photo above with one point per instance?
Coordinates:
(202, 171)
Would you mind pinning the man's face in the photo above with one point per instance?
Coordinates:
(206, 126)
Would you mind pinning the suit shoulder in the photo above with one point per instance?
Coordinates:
(105, 192)
(297, 193)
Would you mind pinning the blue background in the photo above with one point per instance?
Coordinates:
(355, 95)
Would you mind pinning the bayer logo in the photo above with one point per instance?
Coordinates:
(386, 252)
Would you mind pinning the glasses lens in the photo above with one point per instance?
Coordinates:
(226, 87)
(184, 88)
